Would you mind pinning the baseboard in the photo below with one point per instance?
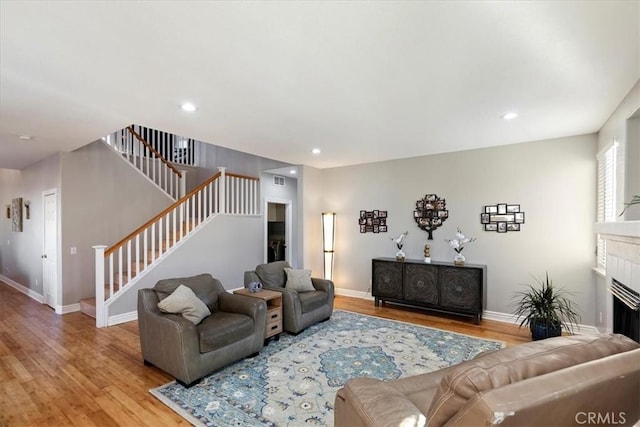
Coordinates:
(500, 317)
(64, 309)
(122, 318)
(23, 289)
(486, 315)
(354, 294)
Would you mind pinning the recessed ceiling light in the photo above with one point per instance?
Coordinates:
(292, 171)
(26, 137)
(316, 151)
(187, 106)
(509, 116)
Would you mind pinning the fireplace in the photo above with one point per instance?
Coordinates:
(626, 310)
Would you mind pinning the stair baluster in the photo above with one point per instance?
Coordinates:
(223, 193)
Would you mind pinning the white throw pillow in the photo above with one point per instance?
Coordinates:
(183, 301)
(299, 280)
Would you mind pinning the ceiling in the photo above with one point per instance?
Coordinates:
(363, 81)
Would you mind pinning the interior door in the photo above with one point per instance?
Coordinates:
(50, 250)
(276, 232)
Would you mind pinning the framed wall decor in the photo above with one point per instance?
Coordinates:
(373, 221)
(431, 211)
(502, 217)
(16, 214)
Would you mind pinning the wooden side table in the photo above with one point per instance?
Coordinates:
(274, 310)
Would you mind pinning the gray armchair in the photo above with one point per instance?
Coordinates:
(235, 329)
(300, 309)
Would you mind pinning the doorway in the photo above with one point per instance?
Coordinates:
(50, 248)
(278, 230)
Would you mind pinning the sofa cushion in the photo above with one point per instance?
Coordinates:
(183, 301)
(203, 285)
(496, 369)
(312, 300)
(272, 274)
(299, 280)
(223, 328)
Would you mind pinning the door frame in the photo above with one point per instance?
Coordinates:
(57, 292)
(288, 217)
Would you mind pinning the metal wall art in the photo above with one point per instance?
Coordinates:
(502, 218)
(373, 221)
(431, 211)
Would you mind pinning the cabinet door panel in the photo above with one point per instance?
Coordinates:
(421, 283)
(460, 288)
(387, 279)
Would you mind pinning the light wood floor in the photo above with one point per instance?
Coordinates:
(60, 370)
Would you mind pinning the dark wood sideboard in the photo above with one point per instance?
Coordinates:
(438, 286)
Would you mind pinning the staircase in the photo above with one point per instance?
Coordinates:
(124, 274)
(147, 158)
(121, 266)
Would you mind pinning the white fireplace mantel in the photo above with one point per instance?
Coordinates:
(623, 260)
(621, 228)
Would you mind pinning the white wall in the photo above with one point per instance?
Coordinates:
(632, 162)
(225, 247)
(616, 128)
(281, 194)
(20, 252)
(310, 195)
(553, 181)
(627, 132)
(102, 200)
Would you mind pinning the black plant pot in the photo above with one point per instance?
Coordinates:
(540, 331)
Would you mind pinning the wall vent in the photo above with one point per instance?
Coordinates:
(278, 180)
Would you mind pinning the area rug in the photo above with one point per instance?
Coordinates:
(294, 381)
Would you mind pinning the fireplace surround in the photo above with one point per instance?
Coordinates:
(626, 310)
(622, 273)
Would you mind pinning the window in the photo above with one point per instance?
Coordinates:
(606, 209)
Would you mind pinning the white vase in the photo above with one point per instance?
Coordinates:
(400, 255)
(459, 259)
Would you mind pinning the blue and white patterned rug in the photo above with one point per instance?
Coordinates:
(294, 380)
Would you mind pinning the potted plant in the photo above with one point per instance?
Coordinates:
(635, 200)
(546, 309)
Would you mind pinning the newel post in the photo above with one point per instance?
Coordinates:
(100, 313)
(183, 184)
(223, 189)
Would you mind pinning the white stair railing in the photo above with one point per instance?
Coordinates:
(146, 159)
(121, 265)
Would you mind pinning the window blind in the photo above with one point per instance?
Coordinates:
(606, 209)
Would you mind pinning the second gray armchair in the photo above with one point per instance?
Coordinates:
(300, 309)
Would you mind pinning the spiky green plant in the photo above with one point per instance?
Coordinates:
(545, 304)
(635, 200)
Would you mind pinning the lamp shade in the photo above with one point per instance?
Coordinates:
(328, 242)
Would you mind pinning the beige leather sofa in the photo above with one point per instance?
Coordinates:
(565, 381)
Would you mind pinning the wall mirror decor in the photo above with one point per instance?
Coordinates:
(502, 218)
(431, 211)
(373, 221)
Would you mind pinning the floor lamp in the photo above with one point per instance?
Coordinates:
(328, 242)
